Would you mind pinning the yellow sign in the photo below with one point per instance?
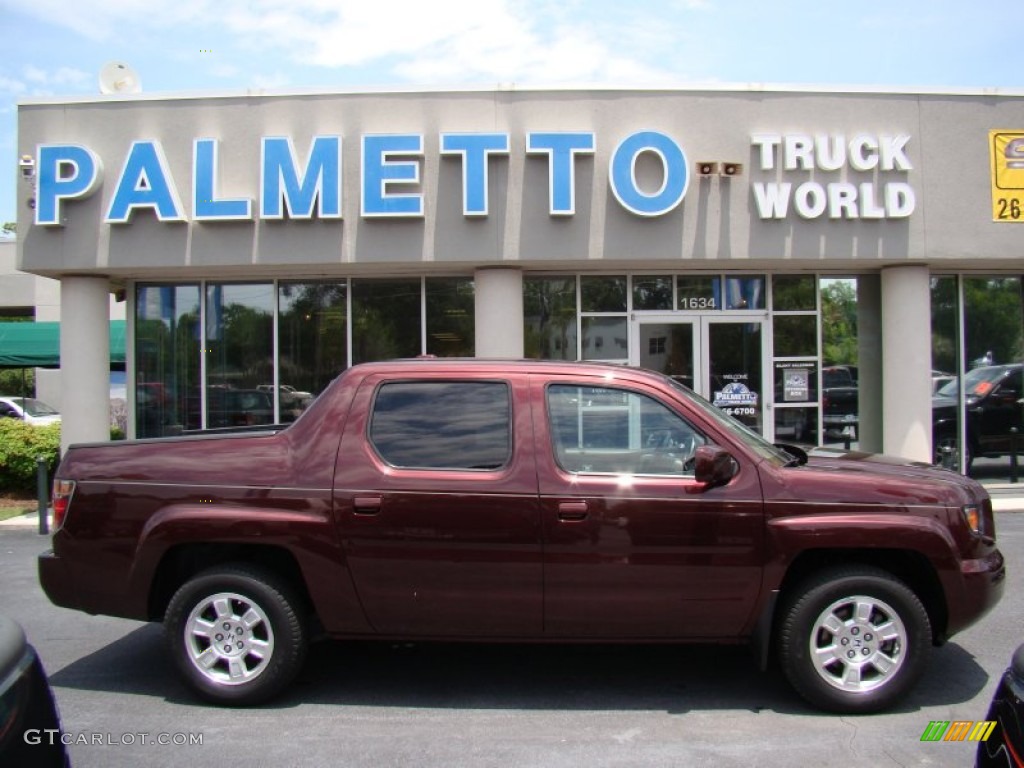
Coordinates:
(1006, 148)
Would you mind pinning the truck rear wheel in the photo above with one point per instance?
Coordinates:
(853, 639)
(236, 635)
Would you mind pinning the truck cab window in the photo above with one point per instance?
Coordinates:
(443, 424)
(606, 430)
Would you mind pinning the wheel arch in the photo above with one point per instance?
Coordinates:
(183, 561)
(912, 568)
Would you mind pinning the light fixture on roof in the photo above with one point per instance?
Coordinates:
(118, 77)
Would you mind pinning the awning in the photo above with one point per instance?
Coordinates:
(37, 345)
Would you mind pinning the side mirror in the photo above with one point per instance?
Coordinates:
(714, 466)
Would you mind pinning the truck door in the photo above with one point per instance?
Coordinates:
(634, 546)
(436, 500)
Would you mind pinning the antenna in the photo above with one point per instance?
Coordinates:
(118, 77)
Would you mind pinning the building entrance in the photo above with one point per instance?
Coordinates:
(721, 357)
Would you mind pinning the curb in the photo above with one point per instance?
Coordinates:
(31, 520)
(1008, 504)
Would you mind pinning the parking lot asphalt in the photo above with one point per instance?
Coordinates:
(386, 704)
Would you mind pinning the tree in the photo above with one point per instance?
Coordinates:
(993, 315)
(8, 229)
(839, 322)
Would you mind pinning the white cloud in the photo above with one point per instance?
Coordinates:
(8, 85)
(61, 76)
(452, 40)
(103, 20)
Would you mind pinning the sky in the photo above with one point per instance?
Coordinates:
(56, 48)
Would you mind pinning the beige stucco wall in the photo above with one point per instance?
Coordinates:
(716, 226)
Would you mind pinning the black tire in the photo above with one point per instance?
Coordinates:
(853, 639)
(257, 638)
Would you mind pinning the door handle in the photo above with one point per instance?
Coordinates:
(572, 511)
(366, 505)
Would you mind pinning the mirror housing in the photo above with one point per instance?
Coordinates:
(714, 466)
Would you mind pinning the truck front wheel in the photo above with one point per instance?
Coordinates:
(235, 634)
(853, 639)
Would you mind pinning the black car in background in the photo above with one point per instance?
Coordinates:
(29, 724)
(1004, 748)
(992, 403)
(839, 401)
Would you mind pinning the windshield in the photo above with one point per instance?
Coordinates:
(34, 407)
(736, 428)
(977, 383)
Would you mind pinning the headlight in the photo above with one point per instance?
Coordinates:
(975, 517)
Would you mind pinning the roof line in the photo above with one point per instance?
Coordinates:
(706, 87)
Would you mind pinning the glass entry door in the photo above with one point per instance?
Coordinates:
(669, 347)
(721, 358)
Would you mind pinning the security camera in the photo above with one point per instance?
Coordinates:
(28, 166)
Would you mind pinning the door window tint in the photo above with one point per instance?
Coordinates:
(598, 429)
(443, 424)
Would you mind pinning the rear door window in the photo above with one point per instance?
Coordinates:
(443, 424)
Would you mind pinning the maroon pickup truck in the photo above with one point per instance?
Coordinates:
(482, 500)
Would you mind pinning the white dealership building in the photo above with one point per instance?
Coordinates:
(264, 242)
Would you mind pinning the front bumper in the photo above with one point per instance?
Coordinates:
(983, 582)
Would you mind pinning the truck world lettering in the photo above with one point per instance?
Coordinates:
(860, 195)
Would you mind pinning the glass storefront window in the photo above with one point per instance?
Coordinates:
(734, 362)
(605, 338)
(945, 312)
(312, 342)
(602, 293)
(797, 425)
(699, 292)
(450, 316)
(652, 292)
(793, 293)
(945, 328)
(385, 319)
(239, 357)
(979, 430)
(549, 309)
(245, 384)
(745, 292)
(992, 321)
(796, 382)
(167, 347)
(839, 321)
(796, 335)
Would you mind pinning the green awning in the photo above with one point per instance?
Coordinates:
(37, 345)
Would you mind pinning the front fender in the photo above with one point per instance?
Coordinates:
(875, 534)
(924, 533)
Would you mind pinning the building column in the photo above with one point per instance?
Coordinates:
(499, 312)
(906, 363)
(84, 360)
